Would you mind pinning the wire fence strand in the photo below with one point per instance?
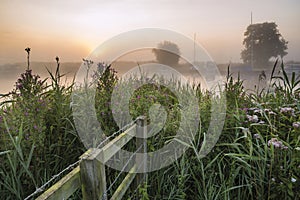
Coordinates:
(122, 170)
(117, 132)
(40, 189)
(71, 166)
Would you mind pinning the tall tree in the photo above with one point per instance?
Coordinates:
(167, 53)
(263, 41)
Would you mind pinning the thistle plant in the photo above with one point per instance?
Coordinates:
(28, 53)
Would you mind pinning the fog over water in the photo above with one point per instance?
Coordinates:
(10, 73)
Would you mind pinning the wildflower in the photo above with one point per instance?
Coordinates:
(257, 111)
(28, 72)
(27, 50)
(287, 110)
(293, 180)
(57, 59)
(26, 136)
(276, 143)
(252, 118)
(253, 108)
(272, 113)
(261, 122)
(19, 85)
(296, 124)
(256, 136)
(269, 111)
(245, 109)
(273, 179)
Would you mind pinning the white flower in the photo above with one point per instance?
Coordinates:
(256, 136)
(273, 179)
(293, 180)
(253, 118)
(296, 124)
(276, 143)
(272, 113)
(258, 111)
(288, 110)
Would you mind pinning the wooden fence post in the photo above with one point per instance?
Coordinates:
(141, 160)
(92, 174)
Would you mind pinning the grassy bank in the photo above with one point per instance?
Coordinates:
(256, 157)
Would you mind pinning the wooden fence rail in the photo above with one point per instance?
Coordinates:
(90, 174)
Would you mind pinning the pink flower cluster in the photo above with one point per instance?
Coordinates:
(269, 111)
(252, 118)
(256, 136)
(276, 143)
(288, 111)
(296, 124)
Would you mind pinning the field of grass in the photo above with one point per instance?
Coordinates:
(256, 157)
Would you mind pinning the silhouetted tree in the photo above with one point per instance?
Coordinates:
(167, 53)
(263, 41)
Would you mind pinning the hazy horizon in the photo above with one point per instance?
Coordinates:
(73, 29)
(9, 73)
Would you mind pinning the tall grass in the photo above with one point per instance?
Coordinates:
(256, 157)
(37, 134)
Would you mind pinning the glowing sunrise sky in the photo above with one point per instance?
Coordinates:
(72, 29)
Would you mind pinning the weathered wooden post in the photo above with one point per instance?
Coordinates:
(92, 174)
(141, 159)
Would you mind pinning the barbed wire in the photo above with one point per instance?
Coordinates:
(115, 133)
(40, 189)
(144, 179)
(71, 166)
(126, 164)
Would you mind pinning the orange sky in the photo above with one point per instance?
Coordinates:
(72, 29)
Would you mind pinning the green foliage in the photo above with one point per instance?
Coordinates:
(37, 132)
(287, 86)
(257, 155)
(247, 162)
(263, 41)
(105, 79)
